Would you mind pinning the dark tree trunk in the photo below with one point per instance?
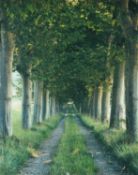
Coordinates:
(27, 100)
(132, 92)
(94, 104)
(44, 104)
(37, 101)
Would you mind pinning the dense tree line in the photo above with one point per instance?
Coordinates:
(83, 50)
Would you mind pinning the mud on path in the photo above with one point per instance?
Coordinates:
(103, 160)
(41, 164)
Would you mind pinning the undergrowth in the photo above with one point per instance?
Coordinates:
(17, 149)
(115, 140)
(72, 157)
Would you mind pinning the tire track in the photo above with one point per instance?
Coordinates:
(103, 160)
(41, 164)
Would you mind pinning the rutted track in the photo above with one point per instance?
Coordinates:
(41, 164)
(104, 161)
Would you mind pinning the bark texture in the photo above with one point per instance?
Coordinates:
(37, 102)
(6, 59)
(118, 97)
(53, 105)
(94, 104)
(90, 104)
(26, 99)
(99, 102)
(106, 102)
(129, 23)
(44, 103)
(47, 104)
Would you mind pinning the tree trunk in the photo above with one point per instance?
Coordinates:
(99, 102)
(47, 104)
(94, 104)
(50, 105)
(27, 100)
(106, 101)
(53, 100)
(90, 101)
(129, 23)
(57, 106)
(132, 91)
(106, 106)
(118, 97)
(37, 101)
(44, 104)
(7, 50)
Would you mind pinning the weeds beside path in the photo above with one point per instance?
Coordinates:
(70, 150)
(95, 132)
(41, 163)
(23, 145)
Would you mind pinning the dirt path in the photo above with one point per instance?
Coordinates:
(41, 164)
(103, 160)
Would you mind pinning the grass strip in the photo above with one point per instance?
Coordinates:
(17, 149)
(115, 141)
(72, 157)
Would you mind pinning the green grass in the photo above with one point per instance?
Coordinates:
(17, 149)
(115, 140)
(72, 156)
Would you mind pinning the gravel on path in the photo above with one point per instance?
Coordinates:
(104, 161)
(41, 164)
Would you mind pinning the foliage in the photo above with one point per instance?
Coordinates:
(64, 42)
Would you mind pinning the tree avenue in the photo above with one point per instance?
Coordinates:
(86, 51)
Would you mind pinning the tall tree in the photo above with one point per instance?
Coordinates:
(99, 96)
(129, 23)
(118, 94)
(38, 87)
(27, 98)
(6, 59)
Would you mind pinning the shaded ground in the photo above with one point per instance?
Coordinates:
(41, 164)
(103, 160)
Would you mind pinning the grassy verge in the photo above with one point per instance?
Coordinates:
(72, 157)
(115, 141)
(22, 145)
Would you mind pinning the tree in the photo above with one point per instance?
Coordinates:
(129, 22)
(118, 100)
(7, 49)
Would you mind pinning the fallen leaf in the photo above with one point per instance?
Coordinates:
(47, 161)
(33, 153)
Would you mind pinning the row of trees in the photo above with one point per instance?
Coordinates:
(124, 91)
(71, 49)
